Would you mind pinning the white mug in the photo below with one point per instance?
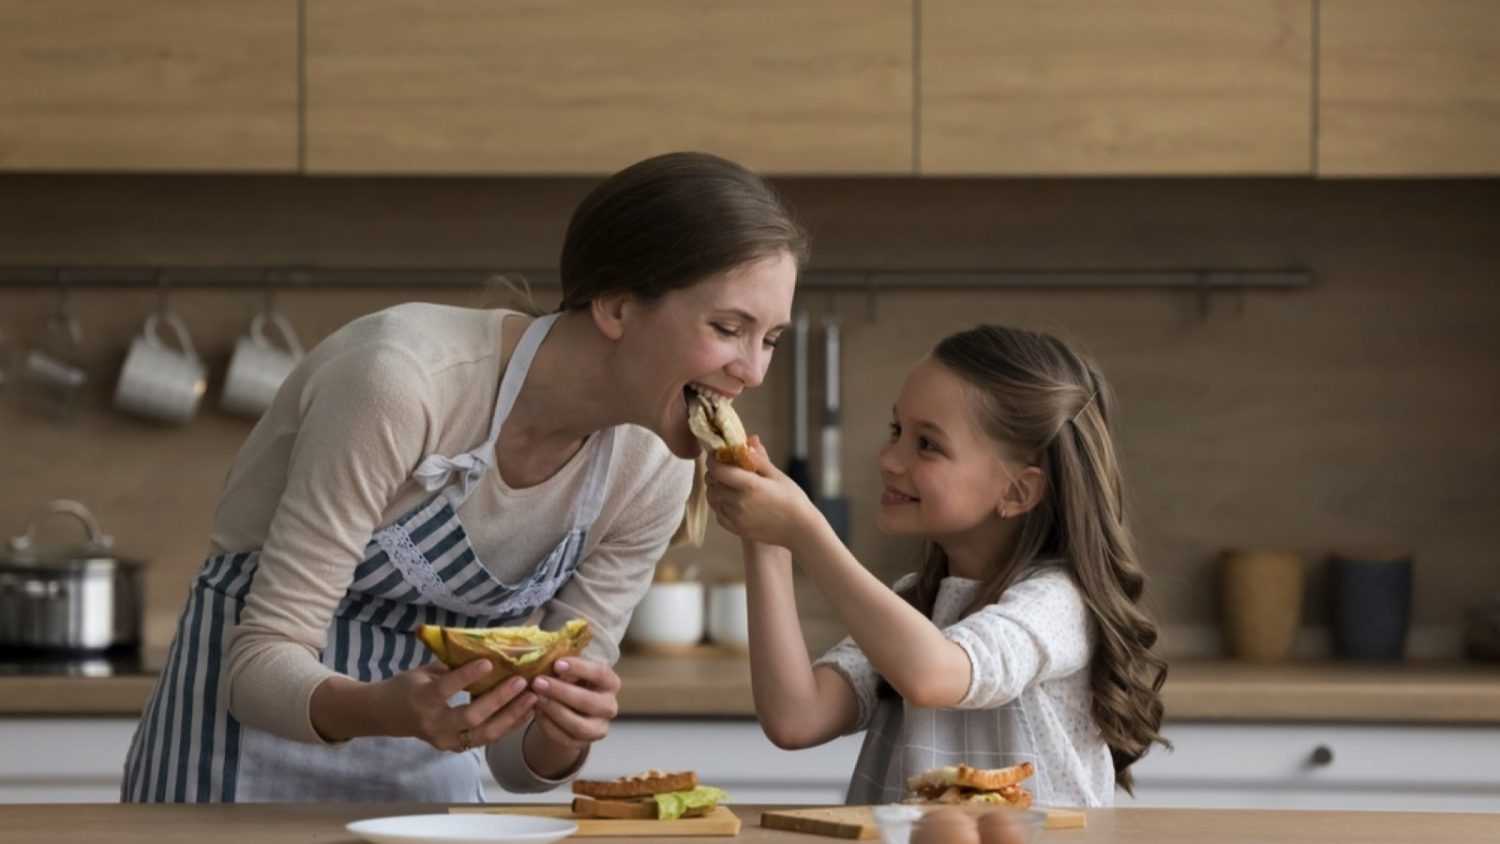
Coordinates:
(157, 381)
(258, 367)
(729, 616)
(670, 614)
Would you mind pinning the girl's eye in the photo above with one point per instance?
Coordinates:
(895, 432)
(924, 444)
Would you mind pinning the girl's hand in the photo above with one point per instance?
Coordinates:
(574, 708)
(764, 505)
(415, 703)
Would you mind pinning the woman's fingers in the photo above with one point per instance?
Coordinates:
(500, 724)
(578, 729)
(584, 701)
(456, 680)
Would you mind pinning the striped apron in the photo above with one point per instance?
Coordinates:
(420, 569)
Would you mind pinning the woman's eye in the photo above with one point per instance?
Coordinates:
(773, 342)
(725, 330)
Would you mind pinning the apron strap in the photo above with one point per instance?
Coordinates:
(436, 470)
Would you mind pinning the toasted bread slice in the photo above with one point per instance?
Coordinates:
(524, 651)
(966, 776)
(643, 809)
(638, 785)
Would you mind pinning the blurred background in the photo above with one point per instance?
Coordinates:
(1275, 224)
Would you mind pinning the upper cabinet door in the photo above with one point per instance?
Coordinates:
(148, 85)
(580, 86)
(1409, 87)
(1082, 87)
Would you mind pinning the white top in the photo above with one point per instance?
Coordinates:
(333, 459)
(1028, 699)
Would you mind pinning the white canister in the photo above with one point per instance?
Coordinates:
(729, 616)
(670, 614)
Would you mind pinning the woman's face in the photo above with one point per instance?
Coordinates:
(943, 475)
(717, 335)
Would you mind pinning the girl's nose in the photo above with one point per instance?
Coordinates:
(890, 462)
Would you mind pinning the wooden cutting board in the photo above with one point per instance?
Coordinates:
(720, 821)
(858, 822)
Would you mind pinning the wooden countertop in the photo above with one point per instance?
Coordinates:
(324, 822)
(711, 685)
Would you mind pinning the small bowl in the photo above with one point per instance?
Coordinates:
(897, 821)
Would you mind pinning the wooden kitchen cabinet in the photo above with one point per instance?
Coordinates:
(1409, 88)
(149, 85)
(1151, 87)
(474, 86)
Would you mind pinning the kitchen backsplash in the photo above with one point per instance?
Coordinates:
(1356, 413)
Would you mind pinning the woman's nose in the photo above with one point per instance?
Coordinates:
(750, 368)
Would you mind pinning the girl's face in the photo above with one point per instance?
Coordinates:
(943, 475)
(717, 335)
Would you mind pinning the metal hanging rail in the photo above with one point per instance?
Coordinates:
(854, 280)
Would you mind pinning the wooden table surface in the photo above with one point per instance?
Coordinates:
(323, 823)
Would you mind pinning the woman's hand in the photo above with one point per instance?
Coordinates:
(765, 505)
(415, 703)
(574, 709)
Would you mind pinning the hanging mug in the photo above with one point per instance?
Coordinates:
(157, 381)
(258, 366)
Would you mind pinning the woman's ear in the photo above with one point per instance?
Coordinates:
(609, 314)
(1023, 493)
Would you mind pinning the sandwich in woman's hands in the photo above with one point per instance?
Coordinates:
(716, 425)
(967, 784)
(652, 795)
(527, 651)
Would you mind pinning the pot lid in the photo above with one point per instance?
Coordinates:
(95, 551)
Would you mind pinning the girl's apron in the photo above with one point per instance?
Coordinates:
(419, 570)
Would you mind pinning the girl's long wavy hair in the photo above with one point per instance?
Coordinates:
(1053, 409)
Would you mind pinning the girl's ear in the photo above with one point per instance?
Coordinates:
(609, 314)
(1023, 493)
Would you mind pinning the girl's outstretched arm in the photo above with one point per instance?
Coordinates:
(904, 646)
(798, 705)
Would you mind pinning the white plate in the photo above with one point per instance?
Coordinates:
(468, 829)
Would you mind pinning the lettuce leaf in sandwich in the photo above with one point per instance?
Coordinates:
(672, 804)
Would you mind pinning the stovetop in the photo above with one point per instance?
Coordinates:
(115, 662)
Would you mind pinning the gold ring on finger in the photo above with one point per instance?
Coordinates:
(465, 741)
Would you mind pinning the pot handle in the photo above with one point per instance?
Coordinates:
(67, 506)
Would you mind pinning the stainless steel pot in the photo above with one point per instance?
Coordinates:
(78, 597)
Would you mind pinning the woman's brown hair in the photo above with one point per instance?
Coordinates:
(1052, 408)
(667, 223)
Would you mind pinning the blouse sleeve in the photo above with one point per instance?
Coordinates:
(1039, 630)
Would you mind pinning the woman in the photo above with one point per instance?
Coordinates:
(439, 465)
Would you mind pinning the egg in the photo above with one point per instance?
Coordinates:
(1001, 827)
(945, 826)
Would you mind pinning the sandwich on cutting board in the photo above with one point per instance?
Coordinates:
(713, 421)
(652, 795)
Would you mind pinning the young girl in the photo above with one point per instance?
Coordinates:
(1021, 637)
